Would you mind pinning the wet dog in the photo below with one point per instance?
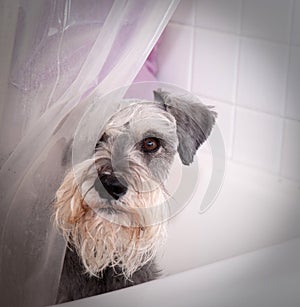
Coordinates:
(112, 208)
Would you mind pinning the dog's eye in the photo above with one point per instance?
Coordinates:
(150, 145)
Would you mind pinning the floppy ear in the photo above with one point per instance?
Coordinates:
(194, 121)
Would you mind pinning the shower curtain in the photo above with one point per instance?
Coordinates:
(56, 55)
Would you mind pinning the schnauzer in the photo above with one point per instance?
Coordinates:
(112, 207)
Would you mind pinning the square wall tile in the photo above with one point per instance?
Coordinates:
(293, 88)
(295, 37)
(215, 62)
(185, 12)
(269, 19)
(290, 164)
(224, 121)
(221, 15)
(262, 75)
(257, 139)
(174, 55)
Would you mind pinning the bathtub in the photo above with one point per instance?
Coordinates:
(243, 251)
(268, 277)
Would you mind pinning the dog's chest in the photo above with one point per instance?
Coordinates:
(75, 284)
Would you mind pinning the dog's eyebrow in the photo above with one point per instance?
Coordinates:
(152, 133)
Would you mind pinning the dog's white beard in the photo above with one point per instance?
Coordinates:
(128, 239)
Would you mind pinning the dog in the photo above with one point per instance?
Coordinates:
(112, 208)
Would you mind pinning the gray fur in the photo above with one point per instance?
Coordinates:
(75, 284)
(148, 122)
(194, 122)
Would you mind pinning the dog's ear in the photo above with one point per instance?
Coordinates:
(194, 121)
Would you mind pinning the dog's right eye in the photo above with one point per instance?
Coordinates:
(150, 145)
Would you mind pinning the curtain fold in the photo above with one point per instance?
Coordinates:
(65, 53)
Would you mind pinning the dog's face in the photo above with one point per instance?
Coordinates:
(134, 154)
(112, 207)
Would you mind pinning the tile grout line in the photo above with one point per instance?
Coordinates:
(192, 52)
(284, 109)
(265, 170)
(248, 108)
(231, 33)
(235, 104)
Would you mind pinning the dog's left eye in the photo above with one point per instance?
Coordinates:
(150, 144)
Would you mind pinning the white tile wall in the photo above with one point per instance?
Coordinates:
(269, 19)
(256, 139)
(244, 57)
(262, 75)
(225, 120)
(290, 166)
(295, 37)
(221, 15)
(293, 89)
(214, 66)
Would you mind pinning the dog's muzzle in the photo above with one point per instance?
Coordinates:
(110, 187)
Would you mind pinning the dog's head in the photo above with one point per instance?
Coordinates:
(111, 207)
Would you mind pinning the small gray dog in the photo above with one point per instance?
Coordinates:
(112, 208)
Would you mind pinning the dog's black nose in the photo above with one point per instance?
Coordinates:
(112, 186)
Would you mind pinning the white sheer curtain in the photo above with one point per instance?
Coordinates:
(56, 55)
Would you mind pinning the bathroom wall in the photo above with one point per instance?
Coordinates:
(243, 56)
